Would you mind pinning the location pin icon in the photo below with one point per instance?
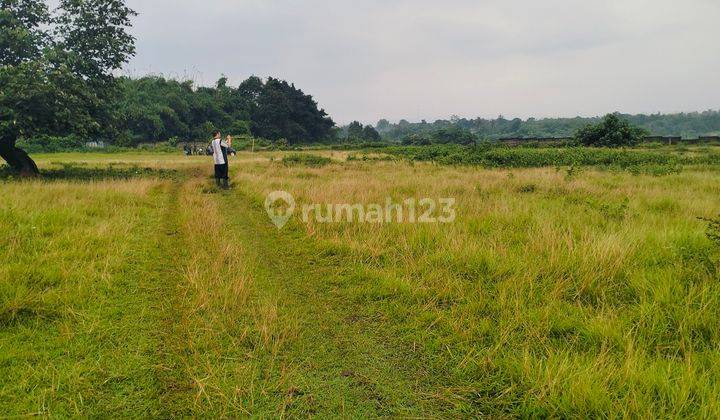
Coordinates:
(280, 214)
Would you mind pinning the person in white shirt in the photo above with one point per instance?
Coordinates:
(220, 157)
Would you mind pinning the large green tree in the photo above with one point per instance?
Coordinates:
(282, 111)
(355, 130)
(369, 133)
(153, 109)
(56, 70)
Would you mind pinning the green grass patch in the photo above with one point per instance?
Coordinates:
(636, 161)
(306, 159)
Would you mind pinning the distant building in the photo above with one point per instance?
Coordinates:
(95, 144)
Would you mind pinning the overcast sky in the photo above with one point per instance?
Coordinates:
(431, 59)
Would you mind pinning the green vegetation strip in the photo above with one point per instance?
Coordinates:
(499, 157)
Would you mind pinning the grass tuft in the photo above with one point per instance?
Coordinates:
(306, 160)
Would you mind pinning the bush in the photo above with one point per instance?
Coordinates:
(362, 145)
(281, 144)
(50, 144)
(713, 232)
(449, 135)
(527, 188)
(416, 140)
(306, 160)
(612, 131)
(126, 139)
(164, 147)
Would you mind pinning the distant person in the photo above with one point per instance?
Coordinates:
(220, 157)
(187, 150)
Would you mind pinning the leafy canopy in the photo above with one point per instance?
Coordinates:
(155, 109)
(356, 131)
(56, 66)
(688, 125)
(612, 131)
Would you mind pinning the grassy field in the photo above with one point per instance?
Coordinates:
(131, 287)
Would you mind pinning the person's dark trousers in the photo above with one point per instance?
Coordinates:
(225, 178)
(220, 174)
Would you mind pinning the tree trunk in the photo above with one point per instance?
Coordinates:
(18, 159)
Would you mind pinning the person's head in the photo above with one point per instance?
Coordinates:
(216, 134)
(228, 138)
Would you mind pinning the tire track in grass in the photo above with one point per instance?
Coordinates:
(208, 347)
(174, 387)
(182, 350)
(333, 365)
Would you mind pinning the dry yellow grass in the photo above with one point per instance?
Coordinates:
(588, 293)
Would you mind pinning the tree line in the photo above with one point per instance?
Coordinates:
(152, 109)
(466, 131)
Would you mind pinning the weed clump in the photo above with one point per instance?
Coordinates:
(527, 188)
(298, 159)
(713, 232)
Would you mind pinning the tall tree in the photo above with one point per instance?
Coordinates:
(369, 133)
(56, 70)
(383, 125)
(283, 111)
(355, 131)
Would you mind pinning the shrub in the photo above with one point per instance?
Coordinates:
(164, 147)
(416, 140)
(50, 144)
(713, 231)
(612, 131)
(527, 188)
(281, 144)
(306, 160)
(448, 135)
